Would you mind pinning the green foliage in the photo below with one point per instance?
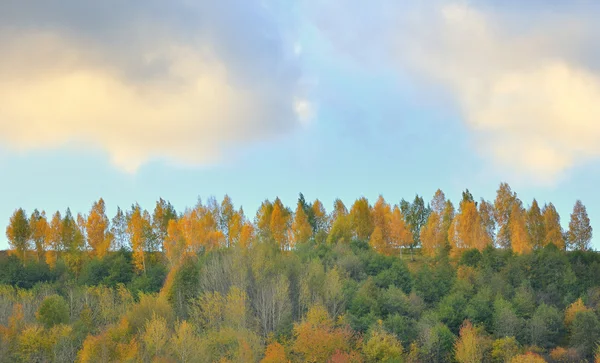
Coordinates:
(585, 333)
(52, 311)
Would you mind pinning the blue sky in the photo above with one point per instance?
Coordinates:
(258, 99)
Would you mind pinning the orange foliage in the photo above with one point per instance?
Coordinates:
(577, 307)
(528, 358)
(301, 228)
(519, 236)
(279, 225)
(317, 337)
(275, 353)
(96, 226)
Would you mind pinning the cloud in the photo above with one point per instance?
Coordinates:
(525, 80)
(145, 81)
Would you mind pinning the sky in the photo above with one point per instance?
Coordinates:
(132, 101)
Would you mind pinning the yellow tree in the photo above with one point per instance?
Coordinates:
(98, 235)
(39, 232)
(320, 215)
(163, 213)
(279, 225)
(518, 231)
(469, 348)
(174, 244)
(378, 243)
(228, 218)
(301, 229)
(400, 234)
(184, 343)
(54, 240)
(263, 220)
(73, 241)
(137, 227)
(554, 232)
(275, 353)
(467, 229)
(18, 233)
(434, 234)
(339, 209)
(246, 235)
(535, 225)
(361, 219)
(381, 215)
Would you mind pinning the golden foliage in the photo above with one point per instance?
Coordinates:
(275, 353)
(301, 228)
(575, 308)
(96, 225)
(519, 236)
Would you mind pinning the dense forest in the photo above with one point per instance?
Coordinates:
(486, 281)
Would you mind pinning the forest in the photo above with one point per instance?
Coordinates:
(417, 281)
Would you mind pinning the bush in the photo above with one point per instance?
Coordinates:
(53, 310)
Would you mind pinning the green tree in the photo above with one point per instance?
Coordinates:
(585, 333)
(52, 311)
(580, 230)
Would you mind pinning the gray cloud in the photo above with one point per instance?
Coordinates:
(179, 80)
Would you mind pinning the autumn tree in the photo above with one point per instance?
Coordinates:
(97, 226)
(434, 234)
(163, 213)
(18, 233)
(536, 228)
(467, 229)
(275, 353)
(519, 235)
(54, 239)
(317, 338)
(554, 232)
(247, 234)
(279, 225)
(156, 337)
(580, 230)
(137, 227)
(378, 243)
(320, 217)
(263, 220)
(339, 209)
(184, 343)
(230, 221)
(399, 232)
(470, 347)
(301, 229)
(39, 232)
(382, 346)
(72, 241)
(174, 244)
(505, 198)
(361, 219)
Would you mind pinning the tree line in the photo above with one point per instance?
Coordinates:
(415, 282)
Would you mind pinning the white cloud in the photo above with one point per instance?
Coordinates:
(149, 91)
(531, 107)
(521, 78)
